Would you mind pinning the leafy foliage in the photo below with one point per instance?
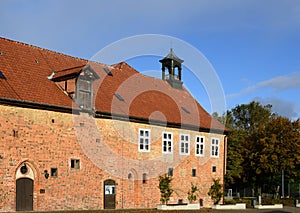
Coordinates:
(215, 191)
(192, 193)
(261, 145)
(165, 188)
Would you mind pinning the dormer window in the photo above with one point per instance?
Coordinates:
(84, 88)
(84, 92)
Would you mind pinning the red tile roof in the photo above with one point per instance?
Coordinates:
(27, 68)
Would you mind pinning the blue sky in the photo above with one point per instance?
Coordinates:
(253, 45)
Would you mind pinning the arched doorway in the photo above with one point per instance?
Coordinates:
(24, 201)
(24, 187)
(109, 194)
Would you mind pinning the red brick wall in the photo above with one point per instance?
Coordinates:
(107, 149)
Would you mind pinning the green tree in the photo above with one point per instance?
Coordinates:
(216, 191)
(261, 145)
(234, 161)
(276, 148)
(192, 193)
(243, 121)
(165, 188)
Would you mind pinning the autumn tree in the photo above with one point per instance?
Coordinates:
(261, 145)
(243, 121)
(276, 148)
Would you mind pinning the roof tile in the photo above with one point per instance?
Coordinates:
(27, 69)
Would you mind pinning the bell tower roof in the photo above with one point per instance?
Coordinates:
(173, 65)
(172, 56)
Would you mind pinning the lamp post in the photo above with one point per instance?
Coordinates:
(282, 183)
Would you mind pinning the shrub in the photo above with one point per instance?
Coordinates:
(215, 191)
(192, 193)
(165, 188)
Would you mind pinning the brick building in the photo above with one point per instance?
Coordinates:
(83, 135)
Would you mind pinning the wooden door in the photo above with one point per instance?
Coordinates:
(24, 194)
(109, 194)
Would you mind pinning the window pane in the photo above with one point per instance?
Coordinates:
(182, 149)
(169, 146)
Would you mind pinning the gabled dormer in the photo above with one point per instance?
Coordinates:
(173, 65)
(84, 88)
(77, 83)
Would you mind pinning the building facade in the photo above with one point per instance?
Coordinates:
(83, 135)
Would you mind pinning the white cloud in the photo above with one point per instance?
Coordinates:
(277, 85)
(281, 107)
(282, 83)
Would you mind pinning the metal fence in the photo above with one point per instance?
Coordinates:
(291, 190)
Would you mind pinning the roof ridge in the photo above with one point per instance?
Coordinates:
(41, 48)
(70, 68)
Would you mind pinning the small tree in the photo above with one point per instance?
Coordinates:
(165, 188)
(192, 193)
(215, 191)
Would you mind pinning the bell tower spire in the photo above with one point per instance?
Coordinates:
(173, 65)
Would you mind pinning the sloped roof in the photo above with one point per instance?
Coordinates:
(26, 69)
(30, 74)
(172, 56)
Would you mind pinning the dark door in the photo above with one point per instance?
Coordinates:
(24, 201)
(109, 194)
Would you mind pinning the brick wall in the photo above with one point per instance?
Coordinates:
(107, 149)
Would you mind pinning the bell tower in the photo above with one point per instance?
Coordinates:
(173, 65)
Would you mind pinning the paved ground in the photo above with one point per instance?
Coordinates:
(286, 209)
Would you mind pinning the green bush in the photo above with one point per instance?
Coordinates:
(215, 191)
(165, 188)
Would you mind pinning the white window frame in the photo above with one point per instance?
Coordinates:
(145, 140)
(185, 144)
(215, 147)
(167, 142)
(84, 93)
(199, 145)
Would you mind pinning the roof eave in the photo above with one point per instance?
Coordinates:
(37, 105)
(121, 117)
